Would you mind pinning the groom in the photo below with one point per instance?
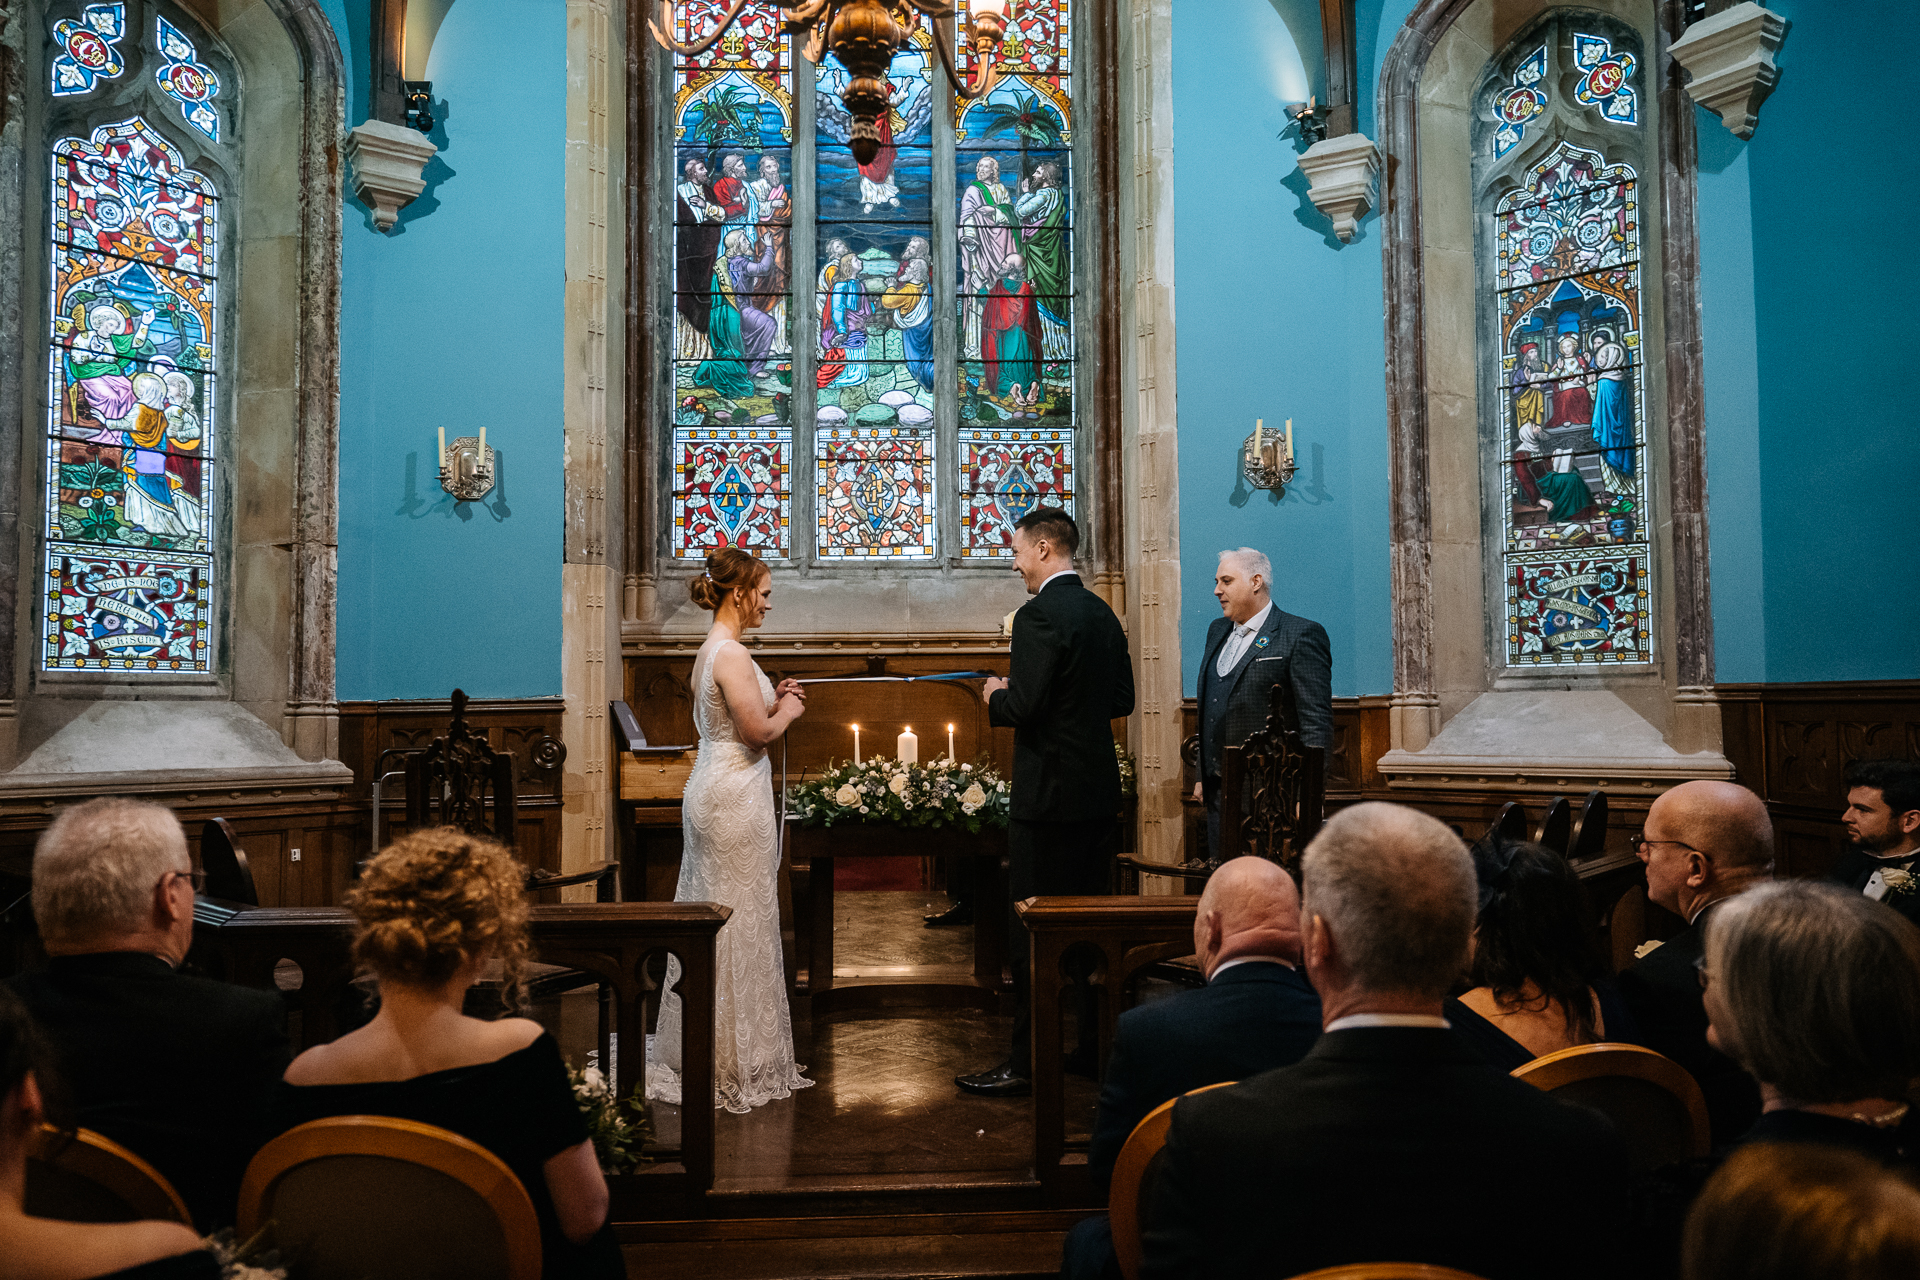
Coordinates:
(1071, 675)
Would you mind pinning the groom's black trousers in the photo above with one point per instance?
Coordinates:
(1051, 859)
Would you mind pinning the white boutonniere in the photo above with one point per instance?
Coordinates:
(1898, 880)
(1006, 625)
(1646, 948)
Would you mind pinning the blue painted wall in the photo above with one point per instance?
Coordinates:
(454, 321)
(1276, 319)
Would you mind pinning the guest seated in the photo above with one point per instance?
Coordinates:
(1703, 843)
(178, 1069)
(1255, 1013)
(1539, 983)
(1883, 821)
(435, 909)
(41, 1248)
(1391, 1140)
(1790, 1211)
(1815, 990)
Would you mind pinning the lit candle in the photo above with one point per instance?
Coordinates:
(907, 747)
(856, 744)
(443, 448)
(950, 755)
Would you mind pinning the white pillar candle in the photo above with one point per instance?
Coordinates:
(950, 755)
(856, 744)
(1289, 439)
(443, 449)
(480, 454)
(907, 747)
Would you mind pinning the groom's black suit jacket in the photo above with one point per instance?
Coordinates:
(1386, 1144)
(1856, 866)
(1296, 651)
(1070, 676)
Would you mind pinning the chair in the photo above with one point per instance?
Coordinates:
(447, 783)
(1590, 831)
(1387, 1271)
(1274, 788)
(1656, 1106)
(378, 1198)
(1556, 826)
(1133, 1174)
(225, 862)
(1511, 825)
(90, 1178)
(1626, 926)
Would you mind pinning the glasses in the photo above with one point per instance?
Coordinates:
(1640, 839)
(194, 876)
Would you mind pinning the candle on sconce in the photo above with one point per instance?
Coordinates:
(907, 747)
(443, 449)
(950, 755)
(856, 744)
(480, 454)
(1289, 439)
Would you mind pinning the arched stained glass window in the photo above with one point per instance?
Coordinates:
(926, 314)
(1574, 550)
(133, 342)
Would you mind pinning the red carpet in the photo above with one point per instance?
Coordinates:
(854, 874)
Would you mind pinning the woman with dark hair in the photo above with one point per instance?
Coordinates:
(43, 1248)
(1537, 980)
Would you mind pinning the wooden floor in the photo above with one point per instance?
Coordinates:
(883, 1167)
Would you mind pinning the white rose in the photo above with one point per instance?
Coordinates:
(899, 784)
(966, 768)
(1006, 624)
(1897, 880)
(863, 808)
(847, 796)
(973, 796)
(1646, 948)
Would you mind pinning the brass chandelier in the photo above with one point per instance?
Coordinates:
(865, 35)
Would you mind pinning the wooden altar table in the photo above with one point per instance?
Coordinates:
(811, 853)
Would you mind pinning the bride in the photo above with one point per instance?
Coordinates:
(732, 850)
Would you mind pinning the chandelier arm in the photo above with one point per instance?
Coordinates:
(816, 48)
(985, 68)
(804, 13)
(697, 47)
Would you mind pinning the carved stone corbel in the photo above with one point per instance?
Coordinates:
(387, 163)
(1343, 172)
(1729, 59)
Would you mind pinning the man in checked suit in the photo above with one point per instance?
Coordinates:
(1070, 676)
(1251, 648)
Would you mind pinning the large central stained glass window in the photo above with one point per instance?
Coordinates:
(870, 362)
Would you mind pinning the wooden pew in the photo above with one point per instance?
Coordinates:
(1130, 934)
(610, 940)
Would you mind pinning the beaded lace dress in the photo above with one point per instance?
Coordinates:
(732, 856)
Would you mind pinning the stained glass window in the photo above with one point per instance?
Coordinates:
(185, 79)
(1574, 541)
(891, 407)
(131, 370)
(89, 49)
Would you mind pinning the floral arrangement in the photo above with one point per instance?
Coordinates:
(250, 1259)
(1899, 882)
(620, 1130)
(909, 795)
(1129, 775)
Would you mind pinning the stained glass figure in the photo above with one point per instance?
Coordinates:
(185, 79)
(1520, 102)
(131, 390)
(89, 51)
(874, 492)
(1004, 474)
(1605, 79)
(732, 487)
(1567, 246)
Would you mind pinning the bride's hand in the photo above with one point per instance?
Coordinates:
(793, 687)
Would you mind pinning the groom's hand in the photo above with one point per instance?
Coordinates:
(993, 685)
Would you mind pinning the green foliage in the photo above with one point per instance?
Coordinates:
(1022, 118)
(729, 114)
(620, 1130)
(969, 796)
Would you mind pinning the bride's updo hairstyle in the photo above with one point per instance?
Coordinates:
(728, 569)
(434, 898)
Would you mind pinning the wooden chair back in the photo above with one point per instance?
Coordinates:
(377, 1198)
(91, 1178)
(1653, 1103)
(1590, 829)
(1511, 824)
(1274, 788)
(1387, 1271)
(225, 862)
(448, 783)
(1627, 926)
(1556, 826)
(1133, 1174)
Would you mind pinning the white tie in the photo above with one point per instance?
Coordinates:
(1230, 651)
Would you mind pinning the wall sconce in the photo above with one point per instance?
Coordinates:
(1309, 122)
(418, 95)
(1267, 460)
(466, 470)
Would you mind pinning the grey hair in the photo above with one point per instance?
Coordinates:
(95, 867)
(1252, 562)
(1816, 990)
(1397, 889)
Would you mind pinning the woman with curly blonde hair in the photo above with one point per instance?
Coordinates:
(436, 909)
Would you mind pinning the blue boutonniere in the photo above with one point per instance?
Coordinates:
(1261, 643)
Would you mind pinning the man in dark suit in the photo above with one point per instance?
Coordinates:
(1250, 648)
(1703, 843)
(1883, 821)
(179, 1069)
(1070, 676)
(1255, 1013)
(1391, 1140)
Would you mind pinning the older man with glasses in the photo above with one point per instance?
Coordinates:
(180, 1069)
(1703, 843)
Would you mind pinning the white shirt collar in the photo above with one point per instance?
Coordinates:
(1064, 573)
(1258, 620)
(1225, 965)
(1432, 1020)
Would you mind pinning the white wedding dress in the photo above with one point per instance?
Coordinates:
(732, 856)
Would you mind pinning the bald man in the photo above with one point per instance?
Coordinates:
(1703, 843)
(1256, 1012)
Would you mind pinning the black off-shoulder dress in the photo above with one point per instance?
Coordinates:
(519, 1107)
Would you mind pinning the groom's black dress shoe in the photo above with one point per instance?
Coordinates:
(1004, 1081)
(959, 913)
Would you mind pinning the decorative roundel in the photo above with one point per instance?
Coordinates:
(1604, 80)
(89, 50)
(165, 226)
(1541, 245)
(1520, 104)
(1591, 234)
(110, 213)
(184, 80)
